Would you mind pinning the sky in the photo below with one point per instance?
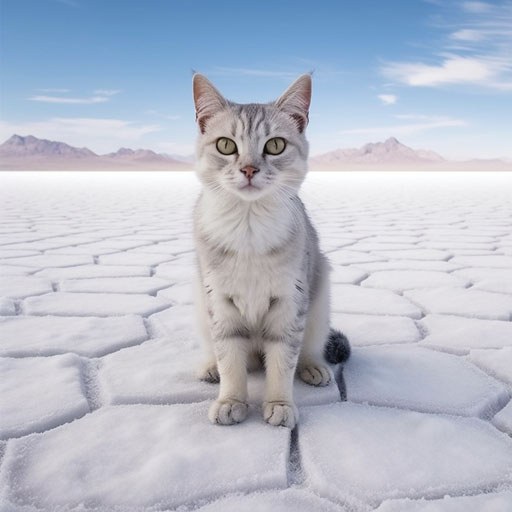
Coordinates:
(106, 74)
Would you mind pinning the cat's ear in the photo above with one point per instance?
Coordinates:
(207, 99)
(296, 99)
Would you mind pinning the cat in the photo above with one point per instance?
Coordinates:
(262, 291)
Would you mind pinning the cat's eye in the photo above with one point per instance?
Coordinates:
(226, 146)
(275, 146)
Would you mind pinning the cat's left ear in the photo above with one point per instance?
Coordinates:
(207, 99)
(296, 99)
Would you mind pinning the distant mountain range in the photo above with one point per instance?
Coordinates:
(31, 153)
(393, 155)
(390, 151)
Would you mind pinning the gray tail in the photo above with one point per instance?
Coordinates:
(337, 348)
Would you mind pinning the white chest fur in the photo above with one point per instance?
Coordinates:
(255, 265)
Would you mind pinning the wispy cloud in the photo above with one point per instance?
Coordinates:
(476, 7)
(106, 92)
(387, 99)
(98, 134)
(475, 51)
(153, 112)
(54, 90)
(467, 34)
(425, 123)
(451, 70)
(61, 99)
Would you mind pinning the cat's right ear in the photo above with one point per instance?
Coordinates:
(207, 99)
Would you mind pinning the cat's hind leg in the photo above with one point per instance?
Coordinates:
(208, 370)
(312, 367)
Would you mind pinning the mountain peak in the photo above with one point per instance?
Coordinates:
(391, 152)
(28, 152)
(29, 146)
(392, 141)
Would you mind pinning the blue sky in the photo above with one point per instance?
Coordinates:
(111, 73)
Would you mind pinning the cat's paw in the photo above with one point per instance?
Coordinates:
(316, 374)
(209, 373)
(280, 414)
(227, 412)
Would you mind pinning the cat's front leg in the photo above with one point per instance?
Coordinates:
(278, 406)
(231, 346)
(281, 344)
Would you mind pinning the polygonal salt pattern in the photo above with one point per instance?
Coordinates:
(99, 268)
(491, 502)
(347, 257)
(400, 280)
(459, 335)
(149, 285)
(289, 500)
(375, 330)
(147, 456)
(416, 254)
(175, 272)
(491, 261)
(497, 363)
(93, 304)
(410, 454)
(181, 293)
(50, 260)
(355, 299)
(38, 393)
(400, 264)
(165, 371)
(9, 270)
(414, 378)
(347, 275)
(23, 336)
(127, 258)
(466, 303)
(7, 306)
(18, 287)
(503, 419)
(91, 271)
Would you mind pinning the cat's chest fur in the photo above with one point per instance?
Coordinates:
(247, 257)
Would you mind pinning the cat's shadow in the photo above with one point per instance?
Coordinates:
(340, 382)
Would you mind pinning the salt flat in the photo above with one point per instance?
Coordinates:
(100, 407)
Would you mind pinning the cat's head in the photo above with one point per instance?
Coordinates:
(252, 150)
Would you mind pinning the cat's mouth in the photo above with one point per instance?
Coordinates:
(249, 187)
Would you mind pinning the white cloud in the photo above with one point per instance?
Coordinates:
(60, 99)
(478, 40)
(153, 112)
(452, 70)
(400, 130)
(387, 99)
(476, 7)
(468, 34)
(100, 135)
(54, 90)
(106, 92)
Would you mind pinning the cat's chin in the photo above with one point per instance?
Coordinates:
(250, 192)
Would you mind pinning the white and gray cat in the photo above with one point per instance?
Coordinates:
(263, 284)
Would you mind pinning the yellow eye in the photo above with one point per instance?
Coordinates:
(226, 146)
(275, 146)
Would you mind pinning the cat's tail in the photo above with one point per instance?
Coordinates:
(337, 348)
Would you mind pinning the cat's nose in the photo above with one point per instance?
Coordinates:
(249, 171)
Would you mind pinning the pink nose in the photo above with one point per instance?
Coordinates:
(249, 171)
